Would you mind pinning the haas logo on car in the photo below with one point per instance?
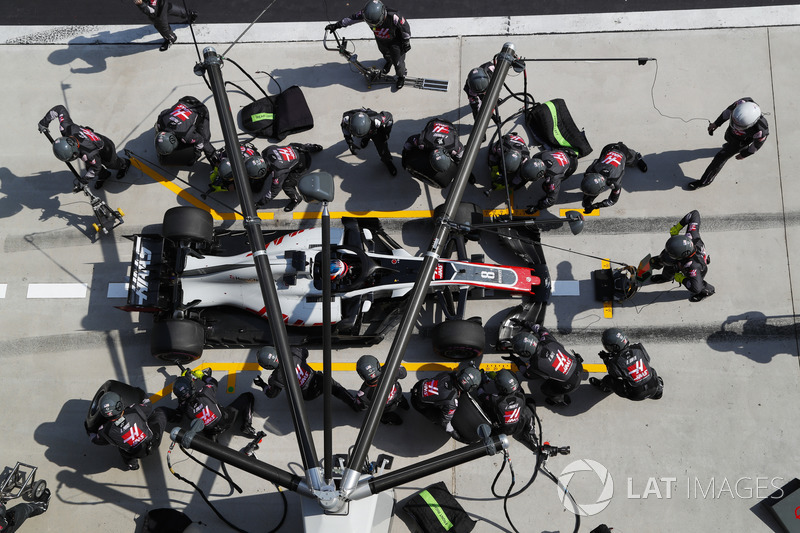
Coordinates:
(439, 272)
(141, 271)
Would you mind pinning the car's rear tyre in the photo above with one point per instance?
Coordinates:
(459, 340)
(177, 341)
(129, 394)
(463, 214)
(188, 223)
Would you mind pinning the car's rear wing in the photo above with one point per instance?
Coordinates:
(144, 286)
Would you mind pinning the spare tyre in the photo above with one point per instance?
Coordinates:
(130, 395)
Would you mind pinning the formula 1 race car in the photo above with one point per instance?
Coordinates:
(201, 284)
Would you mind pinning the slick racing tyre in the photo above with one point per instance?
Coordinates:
(459, 340)
(177, 341)
(188, 223)
(130, 395)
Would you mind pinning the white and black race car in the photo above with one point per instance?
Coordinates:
(201, 284)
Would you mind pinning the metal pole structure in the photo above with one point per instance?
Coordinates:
(327, 378)
(363, 442)
(212, 64)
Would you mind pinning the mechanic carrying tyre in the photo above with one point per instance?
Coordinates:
(197, 399)
(433, 155)
(539, 354)
(369, 369)
(684, 258)
(310, 380)
(437, 397)
(629, 372)
(135, 430)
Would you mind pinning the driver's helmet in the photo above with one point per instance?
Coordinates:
(166, 142)
(339, 269)
(368, 368)
(374, 12)
(111, 405)
(478, 80)
(256, 167)
(267, 358)
(440, 161)
(183, 388)
(593, 183)
(66, 148)
(360, 124)
(506, 381)
(614, 341)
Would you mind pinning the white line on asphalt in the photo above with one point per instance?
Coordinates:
(3, 290)
(117, 290)
(57, 290)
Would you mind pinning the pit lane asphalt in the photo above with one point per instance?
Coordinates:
(730, 363)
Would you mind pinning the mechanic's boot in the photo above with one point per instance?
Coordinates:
(132, 463)
(641, 165)
(260, 383)
(660, 392)
(705, 293)
(660, 278)
(599, 384)
(386, 67)
(404, 403)
(291, 205)
(314, 148)
(401, 81)
(248, 430)
(192, 16)
(391, 167)
(693, 185)
(124, 170)
(101, 178)
(531, 209)
(169, 41)
(556, 401)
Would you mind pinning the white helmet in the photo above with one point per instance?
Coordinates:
(745, 115)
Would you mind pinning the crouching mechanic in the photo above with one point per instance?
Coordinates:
(392, 34)
(369, 369)
(511, 413)
(559, 165)
(684, 258)
(606, 172)
(629, 372)
(365, 124)
(135, 430)
(510, 162)
(538, 353)
(310, 380)
(285, 166)
(746, 133)
(12, 518)
(197, 399)
(255, 166)
(185, 124)
(437, 397)
(96, 151)
(433, 155)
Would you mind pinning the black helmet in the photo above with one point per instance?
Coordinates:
(533, 169)
(614, 340)
(524, 344)
(368, 368)
(679, 247)
(66, 148)
(468, 378)
(256, 167)
(183, 388)
(166, 142)
(593, 183)
(374, 12)
(267, 357)
(512, 160)
(440, 161)
(478, 80)
(111, 405)
(360, 124)
(506, 381)
(226, 170)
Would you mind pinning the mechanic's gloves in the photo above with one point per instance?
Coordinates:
(711, 128)
(513, 358)
(674, 230)
(42, 127)
(260, 383)
(197, 374)
(405, 47)
(679, 277)
(333, 27)
(449, 428)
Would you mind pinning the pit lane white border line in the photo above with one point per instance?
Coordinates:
(3, 287)
(57, 290)
(691, 19)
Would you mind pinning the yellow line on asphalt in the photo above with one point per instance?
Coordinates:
(608, 306)
(310, 215)
(183, 193)
(233, 368)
